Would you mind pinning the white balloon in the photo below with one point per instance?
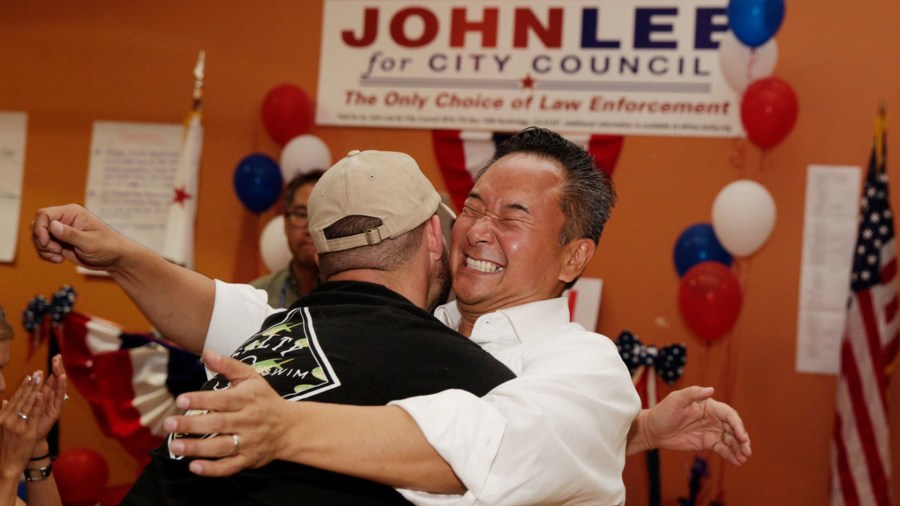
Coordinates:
(273, 245)
(743, 216)
(741, 65)
(303, 154)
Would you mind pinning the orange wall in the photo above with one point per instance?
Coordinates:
(68, 64)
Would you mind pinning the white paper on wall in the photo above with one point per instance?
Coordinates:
(131, 175)
(829, 233)
(13, 126)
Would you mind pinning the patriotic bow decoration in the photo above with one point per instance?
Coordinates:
(644, 363)
(669, 360)
(35, 314)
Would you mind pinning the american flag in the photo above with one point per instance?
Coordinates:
(860, 454)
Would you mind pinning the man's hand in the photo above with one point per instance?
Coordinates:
(690, 420)
(250, 409)
(72, 233)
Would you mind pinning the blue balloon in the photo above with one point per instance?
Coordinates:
(257, 182)
(755, 21)
(698, 243)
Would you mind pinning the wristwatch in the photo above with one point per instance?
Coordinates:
(38, 473)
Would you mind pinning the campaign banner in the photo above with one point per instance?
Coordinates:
(604, 66)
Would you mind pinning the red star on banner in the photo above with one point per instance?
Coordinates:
(181, 195)
(527, 83)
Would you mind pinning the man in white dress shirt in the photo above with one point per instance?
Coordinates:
(555, 434)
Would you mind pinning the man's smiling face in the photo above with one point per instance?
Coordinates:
(506, 249)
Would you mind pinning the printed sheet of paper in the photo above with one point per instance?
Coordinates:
(13, 127)
(131, 175)
(829, 236)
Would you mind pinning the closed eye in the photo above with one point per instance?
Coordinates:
(470, 211)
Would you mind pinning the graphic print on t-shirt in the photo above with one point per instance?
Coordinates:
(288, 355)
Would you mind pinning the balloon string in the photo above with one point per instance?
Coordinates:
(719, 492)
(751, 62)
(728, 376)
(743, 268)
(738, 156)
(766, 162)
(704, 360)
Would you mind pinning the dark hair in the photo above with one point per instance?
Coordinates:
(296, 182)
(588, 195)
(387, 255)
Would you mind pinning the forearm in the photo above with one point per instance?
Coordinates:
(9, 484)
(176, 300)
(43, 492)
(378, 443)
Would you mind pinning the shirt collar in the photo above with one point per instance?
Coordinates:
(529, 321)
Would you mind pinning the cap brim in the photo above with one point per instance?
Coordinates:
(448, 217)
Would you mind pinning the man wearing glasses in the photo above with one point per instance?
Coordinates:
(301, 274)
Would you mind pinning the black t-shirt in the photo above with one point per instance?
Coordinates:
(346, 342)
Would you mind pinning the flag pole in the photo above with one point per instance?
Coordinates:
(178, 245)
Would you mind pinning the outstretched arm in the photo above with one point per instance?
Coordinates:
(525, 423)
(177, 301)
(689, 420)
(379, 443)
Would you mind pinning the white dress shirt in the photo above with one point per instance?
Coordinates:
(555, 434)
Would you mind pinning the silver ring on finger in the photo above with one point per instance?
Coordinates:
(23, 416)
(237, 444)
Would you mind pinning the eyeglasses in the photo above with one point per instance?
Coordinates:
(297, 217)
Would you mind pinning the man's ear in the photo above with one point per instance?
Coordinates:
(576, 255)
(434, 237)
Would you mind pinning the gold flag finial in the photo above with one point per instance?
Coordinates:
(198, 80)
(880, 133)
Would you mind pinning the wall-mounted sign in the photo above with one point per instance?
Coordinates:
(615, 66)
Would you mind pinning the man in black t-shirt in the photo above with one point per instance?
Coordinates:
(362, 337)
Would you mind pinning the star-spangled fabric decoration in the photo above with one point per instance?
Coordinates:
(34, 318)
(34, 313)
(876, 224)
(669, 360)
(59, 306)
(61, 303)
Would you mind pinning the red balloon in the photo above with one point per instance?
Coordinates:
(768, 111)
(710, 299)
(286, 113)
(81, 475)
